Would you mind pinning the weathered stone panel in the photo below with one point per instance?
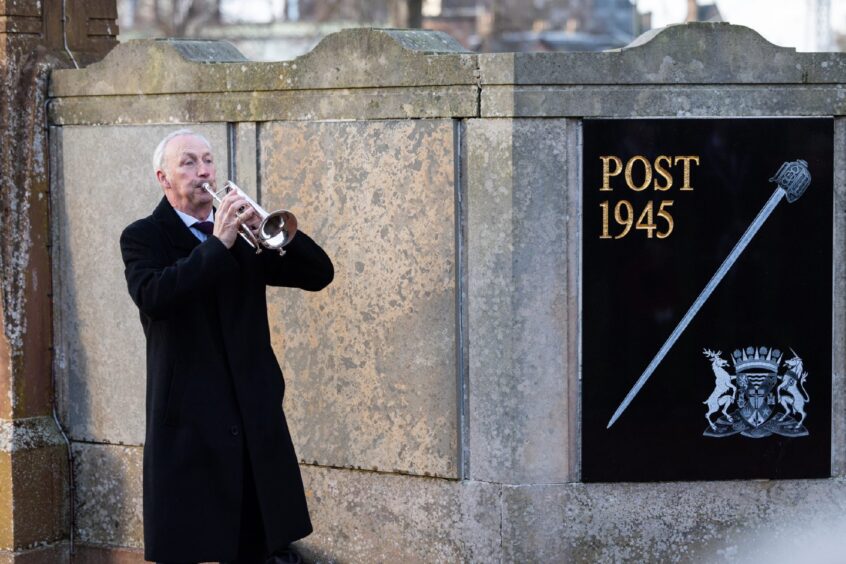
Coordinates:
(99, 346)
(109, 503)
(370, 363)
(518, 297)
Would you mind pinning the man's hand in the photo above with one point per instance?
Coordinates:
(228, 221)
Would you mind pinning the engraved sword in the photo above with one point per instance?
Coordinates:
(792, 178)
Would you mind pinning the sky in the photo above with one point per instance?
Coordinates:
(782, 22)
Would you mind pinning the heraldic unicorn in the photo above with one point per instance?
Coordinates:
(766, 391)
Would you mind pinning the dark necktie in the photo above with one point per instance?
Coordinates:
(206, 227)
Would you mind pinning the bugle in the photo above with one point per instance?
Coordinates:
(277, 228)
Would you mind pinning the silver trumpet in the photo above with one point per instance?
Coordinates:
(277, 229)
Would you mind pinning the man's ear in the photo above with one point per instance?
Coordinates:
(162, 178)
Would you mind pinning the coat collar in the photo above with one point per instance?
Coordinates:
(178, 233)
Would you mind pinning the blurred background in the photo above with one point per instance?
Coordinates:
(274, 30)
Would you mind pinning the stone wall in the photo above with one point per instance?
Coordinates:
(35, 37)
(433, 388)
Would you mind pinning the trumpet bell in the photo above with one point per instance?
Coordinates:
(278, 229)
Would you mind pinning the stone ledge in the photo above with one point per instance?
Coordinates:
(361, 515)
(29, 433)
(694, 53)
(664, 101)
(96, 554)
(353, 58)
(303, 105)
(751, 521)
(53, 554)
(83, 554)
(358, 515)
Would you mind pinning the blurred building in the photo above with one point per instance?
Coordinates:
(284, 29)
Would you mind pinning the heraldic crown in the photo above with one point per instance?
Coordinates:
(751, 358)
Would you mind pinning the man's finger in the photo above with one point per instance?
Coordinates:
(234, 205)
(229, 200)
(225, 206)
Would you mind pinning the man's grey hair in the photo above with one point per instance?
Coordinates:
(159, 153)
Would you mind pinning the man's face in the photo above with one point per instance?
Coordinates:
(188, 164)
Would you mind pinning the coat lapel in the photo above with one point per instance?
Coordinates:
(180, 236)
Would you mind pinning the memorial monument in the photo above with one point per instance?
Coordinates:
(516, 238)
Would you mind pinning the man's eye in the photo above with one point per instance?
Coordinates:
(188, 163)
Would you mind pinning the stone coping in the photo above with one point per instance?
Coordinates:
(352, 58)
(696, 53)
(690, 54)
(407, 74)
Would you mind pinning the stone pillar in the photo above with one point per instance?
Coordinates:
(33, 456)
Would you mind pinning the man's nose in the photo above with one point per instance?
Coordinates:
(204, 170)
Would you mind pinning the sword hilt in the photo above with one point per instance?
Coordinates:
(794, 178)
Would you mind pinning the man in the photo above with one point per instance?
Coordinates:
(221, 480)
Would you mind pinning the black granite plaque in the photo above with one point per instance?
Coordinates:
(745, 390)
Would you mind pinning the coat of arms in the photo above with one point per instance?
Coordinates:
(765, 395)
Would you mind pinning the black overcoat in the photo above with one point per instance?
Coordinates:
(214, 386)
